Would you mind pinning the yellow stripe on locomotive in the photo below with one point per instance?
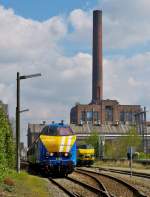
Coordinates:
(58, 143)
(86, 151)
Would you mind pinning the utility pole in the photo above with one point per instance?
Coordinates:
(18, 111)
(140, 119)
(18, 125)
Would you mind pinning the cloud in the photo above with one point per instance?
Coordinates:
(81, 25)
(125, 23)
(127, 79)
(22, 38)
(30, 46)
(133, 83)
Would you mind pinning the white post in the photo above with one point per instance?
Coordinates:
(131, 161)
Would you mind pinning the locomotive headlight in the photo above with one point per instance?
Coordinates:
(66, 154)
(51, 154)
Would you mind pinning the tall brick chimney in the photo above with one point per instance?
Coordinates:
(97, 75)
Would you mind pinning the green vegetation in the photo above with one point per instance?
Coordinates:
(143, 156)
(117, 149)
(93, 139)
(7, 148)
(22, 184)
(11, 183)
(32, 186)
(121, 164)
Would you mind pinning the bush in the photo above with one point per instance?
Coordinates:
(7, 148)
(117, 148)
(143, 156)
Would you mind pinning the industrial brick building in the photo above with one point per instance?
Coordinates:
(101, 111)
(108, 111)
(108, 117)
(33, 132)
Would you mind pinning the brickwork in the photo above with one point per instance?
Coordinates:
(108, 111)
(97, 72)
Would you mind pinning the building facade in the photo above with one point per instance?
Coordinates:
(33, 132)
(107, 112)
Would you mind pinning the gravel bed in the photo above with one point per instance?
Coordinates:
(55, 191)
(76, 188)
(142, 184)
(85, 179)
(115, 188)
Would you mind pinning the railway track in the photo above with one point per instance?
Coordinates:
(126, 172)
(69, 193)
(97, 192)
(101, 186)
(118, 181)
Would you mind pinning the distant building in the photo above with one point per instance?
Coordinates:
(101, 111)
(106, 112)
(33, 132)
(109, 118)
(23, 151)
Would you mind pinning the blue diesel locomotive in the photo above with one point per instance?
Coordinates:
(54, 151)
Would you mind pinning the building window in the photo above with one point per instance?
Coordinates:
(133, 117)
(129, 116)
(108, 113)
(83, 116)
(122, 116)
(89, 115)
(96, 116)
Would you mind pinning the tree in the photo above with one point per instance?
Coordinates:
(93, 139)
(7, 150)
(118, 148)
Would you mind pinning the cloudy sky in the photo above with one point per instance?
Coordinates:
(55, 38)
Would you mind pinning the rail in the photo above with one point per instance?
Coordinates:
(130, 187)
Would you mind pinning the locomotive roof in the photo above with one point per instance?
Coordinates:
(57, 125)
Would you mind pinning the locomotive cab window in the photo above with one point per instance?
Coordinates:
(65, 131)
(57, 131)
(45, 130)
(86, 146)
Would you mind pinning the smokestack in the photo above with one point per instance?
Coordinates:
(97, 75)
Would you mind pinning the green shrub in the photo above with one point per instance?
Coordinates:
(143, 156)
(7, 148)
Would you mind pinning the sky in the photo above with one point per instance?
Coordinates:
(55, 39)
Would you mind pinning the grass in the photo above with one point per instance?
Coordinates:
(23, 185)
(121, 164)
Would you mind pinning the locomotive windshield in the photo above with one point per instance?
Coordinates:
(86, 146)
(54, 131)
